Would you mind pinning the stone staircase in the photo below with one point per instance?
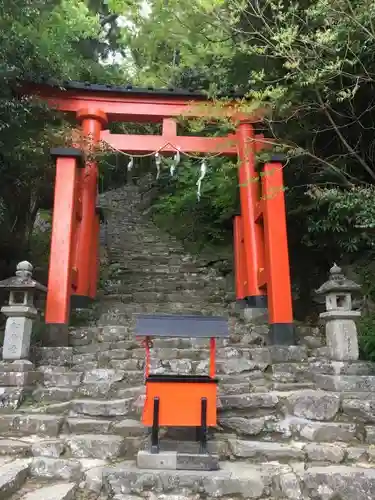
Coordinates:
(292, 424)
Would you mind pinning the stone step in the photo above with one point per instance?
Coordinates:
(12, 477)
(191, 296)
(101, 446)
(33, 490)
(244, 480)
(63, 469)
(14, 447)
(329, 367)
(102, 408)
(346, 383)
(27, 424)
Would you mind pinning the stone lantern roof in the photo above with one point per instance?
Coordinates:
(23, 280)
(337, 282)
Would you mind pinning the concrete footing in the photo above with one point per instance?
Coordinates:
(173, 460)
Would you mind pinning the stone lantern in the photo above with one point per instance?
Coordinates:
(339, 317)
(20, 311)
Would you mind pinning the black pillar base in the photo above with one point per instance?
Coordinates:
(281, 334)
(253, 302)
(80, 301)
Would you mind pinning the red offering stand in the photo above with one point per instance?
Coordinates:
(180, 400)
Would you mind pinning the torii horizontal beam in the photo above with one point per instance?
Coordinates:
(130, 107)
(144, 144)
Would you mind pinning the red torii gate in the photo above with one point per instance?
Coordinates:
(260, 234)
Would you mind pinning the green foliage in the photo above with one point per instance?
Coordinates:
(366, 338)
(204, 222)
(309, 65)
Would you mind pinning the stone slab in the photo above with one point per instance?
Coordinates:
(197, 461)
(173, 460)
(341, 482)
(19, 379)
(234, 480)
(95, 446)
(56, 468)
(19, 365)
(14, 447)
(343, 383)
(12, 476)
(61, 491)
(99, 408)
(27, 424)
(165, 460)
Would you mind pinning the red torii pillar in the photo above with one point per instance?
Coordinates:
(260, 241)
(67, 213)
(87, 252)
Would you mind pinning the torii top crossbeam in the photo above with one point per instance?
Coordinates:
(260, 237)
(108, 103)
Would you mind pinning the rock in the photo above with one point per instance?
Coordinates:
(12, 476)
(329, 367)
(289, 486)
(53, 448)
(83, 360)
(113, 334)
(26, 424)
(98, 408)
(11, 398)
(129, 428)
(238, 365)
(284, 354)
(61, 491)
(82, 336)
(13, 447)
(56, 468)
(328, 431)
(370, 434)
(93, 480)
(364, 411)
(125, 364)
(93, 348)
(181, 366)
(88, 426)
(19, 379)
(325, 453)
(342, 383)
(18, 365)
(47, 394)
(261, 355)
(314, 405)
(56, 356)
(243, 425)
(356, 454)
(56, 378)
(102, 375)
(95, 446)
(240, 480)
(341, 482)
(251, 401)
(312, 342)
(264, 450)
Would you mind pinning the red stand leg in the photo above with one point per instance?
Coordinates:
(277, 258)
(212, 357)
(63, 230)
(252, 231)
(239, 259)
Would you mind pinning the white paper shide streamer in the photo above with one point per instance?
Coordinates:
(176, 161)
(158, 164)
(131, 164)
(202, 175)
